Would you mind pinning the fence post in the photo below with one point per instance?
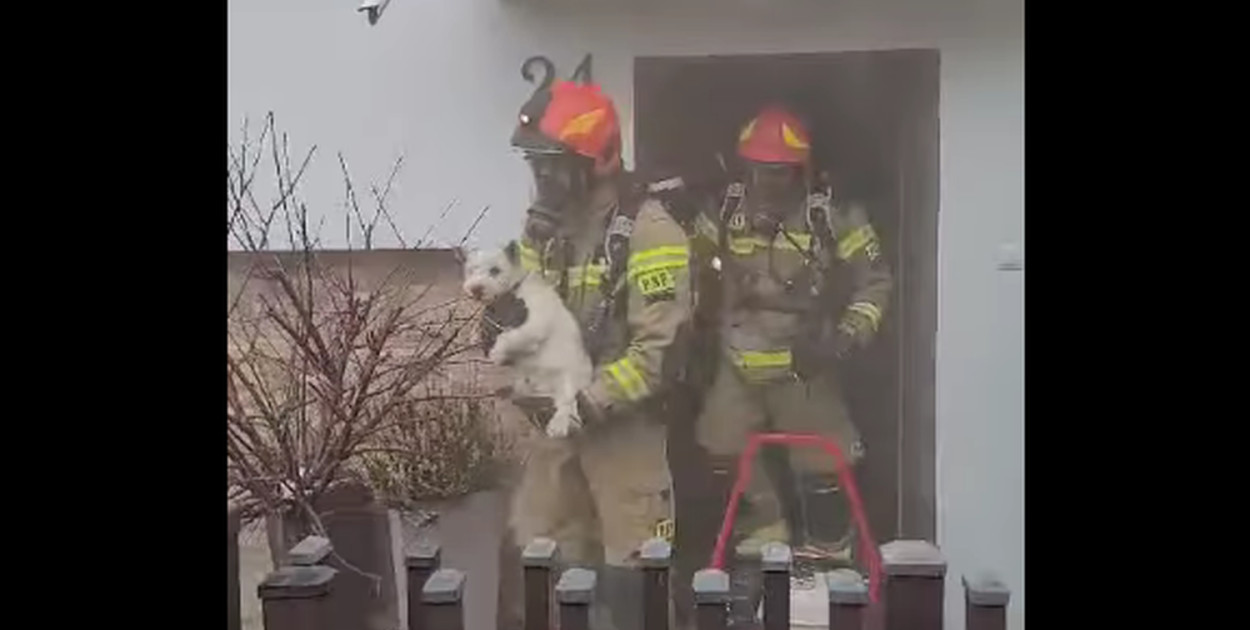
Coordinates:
(234, 609)
(775, 560)
(711, 599)
(538, 559)
(421, 560)
(848, 596)
(745, 584)
(442, 600)
(985, 603)
(655, 555)
(296, 598)
(312, 550)
(575, 592)
(915, 574)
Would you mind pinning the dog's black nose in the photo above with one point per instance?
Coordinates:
(476, 292)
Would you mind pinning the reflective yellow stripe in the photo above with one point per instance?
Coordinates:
(761, 360)
(530, 260)
(868, 310)
(632, 370)
(855, 240)
(628, 378)
(590, 275)
(743, 246)
(639, 270)
(747, 244)
(674, 251)
(668, 257)
(802, 238)
(614, 371)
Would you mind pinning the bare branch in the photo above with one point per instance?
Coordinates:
(443, 215)
(325, 372)
(380, 198)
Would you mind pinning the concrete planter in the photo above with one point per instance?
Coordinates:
(362, 534)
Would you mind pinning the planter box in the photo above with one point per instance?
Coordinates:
(360, 530)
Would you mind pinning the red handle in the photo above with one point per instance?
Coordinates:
(845, 479)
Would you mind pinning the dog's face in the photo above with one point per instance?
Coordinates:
(491, 273)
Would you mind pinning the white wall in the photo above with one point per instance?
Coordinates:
(438, 81)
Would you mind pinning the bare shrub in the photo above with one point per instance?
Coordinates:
(443, 449)
(323, 370)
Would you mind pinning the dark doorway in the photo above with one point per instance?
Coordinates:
(874, 121)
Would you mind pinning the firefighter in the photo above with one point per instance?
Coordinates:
(781, 245)
(621, 263)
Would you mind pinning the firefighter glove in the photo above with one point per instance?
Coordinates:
(539, 409)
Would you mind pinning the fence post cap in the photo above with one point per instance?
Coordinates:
(655, 553)
(309, 551)
(711, 586)
(985, 589)
(916, 558)
(775, 557)
(540, 552)
(422, 554)
(296, 582)
(576, 586)
(846, 587)
(445, 586)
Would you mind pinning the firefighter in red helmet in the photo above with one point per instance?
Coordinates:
(775, 244)
(621, 263)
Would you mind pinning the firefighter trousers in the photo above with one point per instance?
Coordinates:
(734, 409)
(599, 494)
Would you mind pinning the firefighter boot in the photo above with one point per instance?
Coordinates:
(761, 519)
(827, 535)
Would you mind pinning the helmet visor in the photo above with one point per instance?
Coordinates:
(775, 185)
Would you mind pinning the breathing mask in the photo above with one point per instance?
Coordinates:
(774, 191)
(561, 180)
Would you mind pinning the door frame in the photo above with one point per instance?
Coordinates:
(915, 269)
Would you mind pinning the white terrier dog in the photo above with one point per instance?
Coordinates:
(543, 342)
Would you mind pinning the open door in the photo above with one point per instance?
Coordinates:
(873, 117)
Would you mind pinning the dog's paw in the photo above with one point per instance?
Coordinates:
(561, 425)
(498, 356)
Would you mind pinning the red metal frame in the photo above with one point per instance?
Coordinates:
(869, 552)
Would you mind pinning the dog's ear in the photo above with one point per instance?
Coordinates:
(513, 252)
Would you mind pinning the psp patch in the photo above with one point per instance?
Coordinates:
(657, 285)
(665, 529)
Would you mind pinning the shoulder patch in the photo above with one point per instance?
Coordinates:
(621, 226)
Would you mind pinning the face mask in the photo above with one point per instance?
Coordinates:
(559, 182)
(775, 189)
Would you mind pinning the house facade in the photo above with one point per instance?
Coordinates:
(438, 83)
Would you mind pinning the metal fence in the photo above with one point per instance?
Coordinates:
(301, 595)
